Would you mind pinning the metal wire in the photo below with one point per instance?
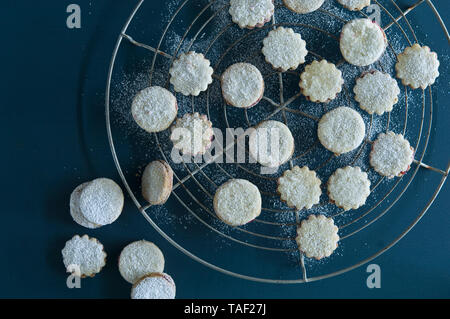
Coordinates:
(283, 107)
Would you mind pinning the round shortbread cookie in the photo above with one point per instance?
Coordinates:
(138, 259)
(75, 211)
(317, 236)
(349, 187)
(192, 134)
(154, 109)
(417, 66)
(84, 253)
(299, 187)
(284, 49)
(376, 92)
(321, 81)
(237, 202)
(341, 130)
(391, 155)
(362, 42)
(154, 286)
(303, 6)
(242, 85)
(101, 201)
(191, 73)
(355, 5)
(251, 13)
(266, 135)
(157, 182)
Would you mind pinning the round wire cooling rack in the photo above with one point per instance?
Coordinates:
(265, 249)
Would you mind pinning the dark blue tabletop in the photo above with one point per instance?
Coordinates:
(53, 131)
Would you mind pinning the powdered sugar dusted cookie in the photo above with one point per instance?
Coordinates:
(154, 109)
(138, 259)
(303, 6)
(237, 202)
(284, 49)
(299, 187)
(376, 92)
(191, 73)
(84, 253)
(75, 211)
(251, 13)
(242, 85)
(101, 201)
(417, 66)
(271, 143)
(317, 236)
(157, 182)
(154, 286)
(391, 155)
(321, 81)
(362, 42)
(349, 187)
(192, 134)
(341, 130)
(355, 5)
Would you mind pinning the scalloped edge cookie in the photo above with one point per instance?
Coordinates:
(191, 73)
(341, 130)
(348, 187)
(417, 66)
(362, 42)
